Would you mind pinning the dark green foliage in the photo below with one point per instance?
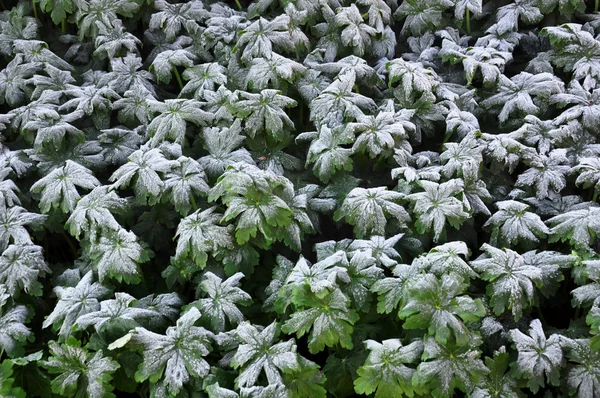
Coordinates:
(299, 199)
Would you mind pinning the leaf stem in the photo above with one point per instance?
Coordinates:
(596, 5)
(35, 14)
(595, 196)
(238, 4)
(468, 18)
(178, 77)
(63, 25)
(540, 315)
(193, 201)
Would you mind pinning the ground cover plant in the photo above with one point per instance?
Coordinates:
(302, 198)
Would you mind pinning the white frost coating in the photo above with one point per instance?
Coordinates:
(74, 302)
(59, 187)
(222, 301)
(538, 356)
(367, 209)
(257, 353)
(178, 353)
(511, 282)
(513, 223)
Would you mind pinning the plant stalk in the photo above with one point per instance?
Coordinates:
(238, 4)
(468, 18)
(35, 14)
(193, 201)
(63, 25)
(597, 2)
(540, 315)
(595, 196)
(178, 77)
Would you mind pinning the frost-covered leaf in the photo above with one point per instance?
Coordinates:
(203, 77)
(258, 352)
(274, 71)
(20, 268)
(58, 189)
(384, 371)
(327, 153)
(512, 223)
(435, 305)
(199, 234)
(363, 273)
(437, 205)
(445, 259)
(79, 372)
(320, 277)
(74, 302)
(547, 173)
(413, 77)
(329, 317)
(265, 111)
(183, 182)
(577, 226)
(381, 249)
(172, 120)
(338, 102)
(174, 357)
(367, 210)
(167, 60)
(511, 281)
(93, 212)
(223, 299)
(517, 93)
(117, 255)
(118, 314)
(223, 146)
(12, 224)
(13, 332)
(143, 167)
(583, 374)
(355, 32)
(538, 356)
(448, 367)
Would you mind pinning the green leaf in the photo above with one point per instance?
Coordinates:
(497, 383)
(20, 267)
(117, 255)
(258, 352)
(79, 372)
(447, 367)
(329, 317)
(511, 280)
(583, 370)
(6, 381)
(435, 305)
(538, 356)
(175, 356)
(305, 382)
(367, 210)
(222, 301)
(58, 189)
(384, 372)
